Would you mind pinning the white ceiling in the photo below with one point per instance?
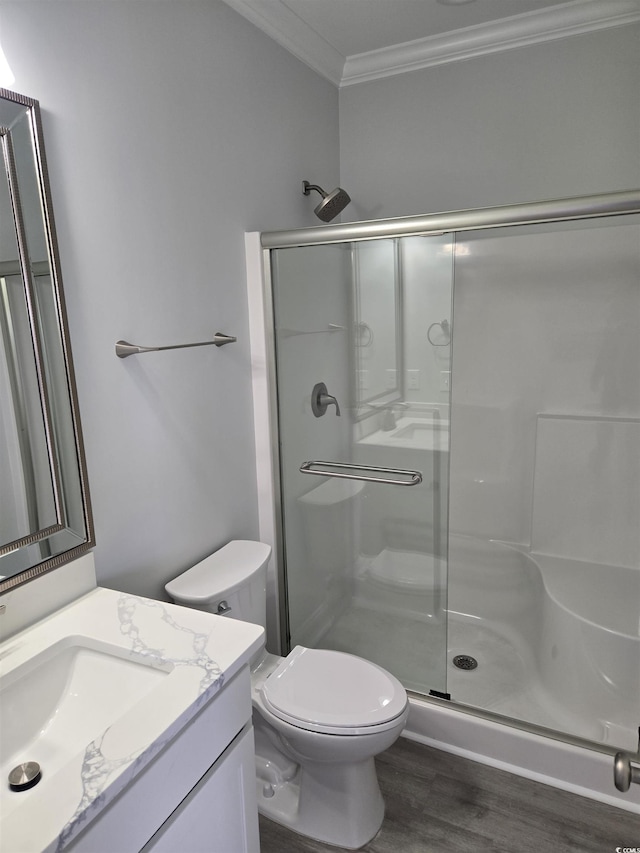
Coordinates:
(349, 41)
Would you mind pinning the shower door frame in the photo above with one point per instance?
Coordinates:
(262, 324)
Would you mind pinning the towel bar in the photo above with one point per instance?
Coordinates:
(124, 349)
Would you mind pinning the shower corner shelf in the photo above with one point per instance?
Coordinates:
(124, 349)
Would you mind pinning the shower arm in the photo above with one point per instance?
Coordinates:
(307, 187)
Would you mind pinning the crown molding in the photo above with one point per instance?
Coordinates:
(574, 18)
(295, 35)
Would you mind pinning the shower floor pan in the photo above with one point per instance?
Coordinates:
(506, 682)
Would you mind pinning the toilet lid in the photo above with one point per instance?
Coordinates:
(333, 692)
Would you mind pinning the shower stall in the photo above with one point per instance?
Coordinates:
(453, 460)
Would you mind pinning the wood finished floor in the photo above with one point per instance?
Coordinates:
(440, 803)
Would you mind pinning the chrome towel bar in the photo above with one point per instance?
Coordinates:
(124, 349)
(415, 477)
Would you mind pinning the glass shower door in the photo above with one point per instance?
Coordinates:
(362, 339)
(544, 552)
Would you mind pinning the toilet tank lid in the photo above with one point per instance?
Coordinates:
(220, 573)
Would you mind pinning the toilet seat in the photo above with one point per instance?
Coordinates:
(333, 693)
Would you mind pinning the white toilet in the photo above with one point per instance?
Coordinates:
(319, 716)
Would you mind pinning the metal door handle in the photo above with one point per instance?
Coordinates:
(415, 477)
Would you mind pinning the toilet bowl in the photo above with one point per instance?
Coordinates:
(319, 716)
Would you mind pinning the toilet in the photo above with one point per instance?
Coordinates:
(319, 716)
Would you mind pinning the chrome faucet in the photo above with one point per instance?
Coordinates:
(389, 415)
(388, 419)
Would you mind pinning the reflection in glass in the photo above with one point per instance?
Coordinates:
(24, 459)
(377, 297)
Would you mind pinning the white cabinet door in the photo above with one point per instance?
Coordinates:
(220, 815)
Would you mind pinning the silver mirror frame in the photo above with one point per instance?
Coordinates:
(38, 539)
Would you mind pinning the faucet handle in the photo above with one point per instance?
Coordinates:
(321, 399)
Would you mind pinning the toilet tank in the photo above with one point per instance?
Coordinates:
(230, 582)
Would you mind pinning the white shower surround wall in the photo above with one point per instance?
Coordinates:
(571, 600)
(580, 658)
(588, 659)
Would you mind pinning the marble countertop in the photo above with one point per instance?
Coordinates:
(197, 652)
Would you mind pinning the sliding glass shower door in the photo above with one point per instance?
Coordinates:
(363, 349)
(544, 545)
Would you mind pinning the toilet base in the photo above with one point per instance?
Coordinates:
(337, 804)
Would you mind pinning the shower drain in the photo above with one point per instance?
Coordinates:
(465, 662)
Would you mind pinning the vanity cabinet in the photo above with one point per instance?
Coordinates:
(197, 796)
(217, 815)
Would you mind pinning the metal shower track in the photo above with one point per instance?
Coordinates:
(582, 207)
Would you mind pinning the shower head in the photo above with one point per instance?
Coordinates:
(332, 203)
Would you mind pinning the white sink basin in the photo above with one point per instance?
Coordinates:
(93, 693)
(412, 432)
(58, 701)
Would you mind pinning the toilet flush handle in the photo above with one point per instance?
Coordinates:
(223, 609)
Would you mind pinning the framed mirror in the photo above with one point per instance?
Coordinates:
(45, 513)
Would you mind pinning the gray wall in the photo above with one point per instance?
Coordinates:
(171, 129)
(545, 121)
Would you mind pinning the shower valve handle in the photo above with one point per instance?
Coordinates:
(320, 399)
